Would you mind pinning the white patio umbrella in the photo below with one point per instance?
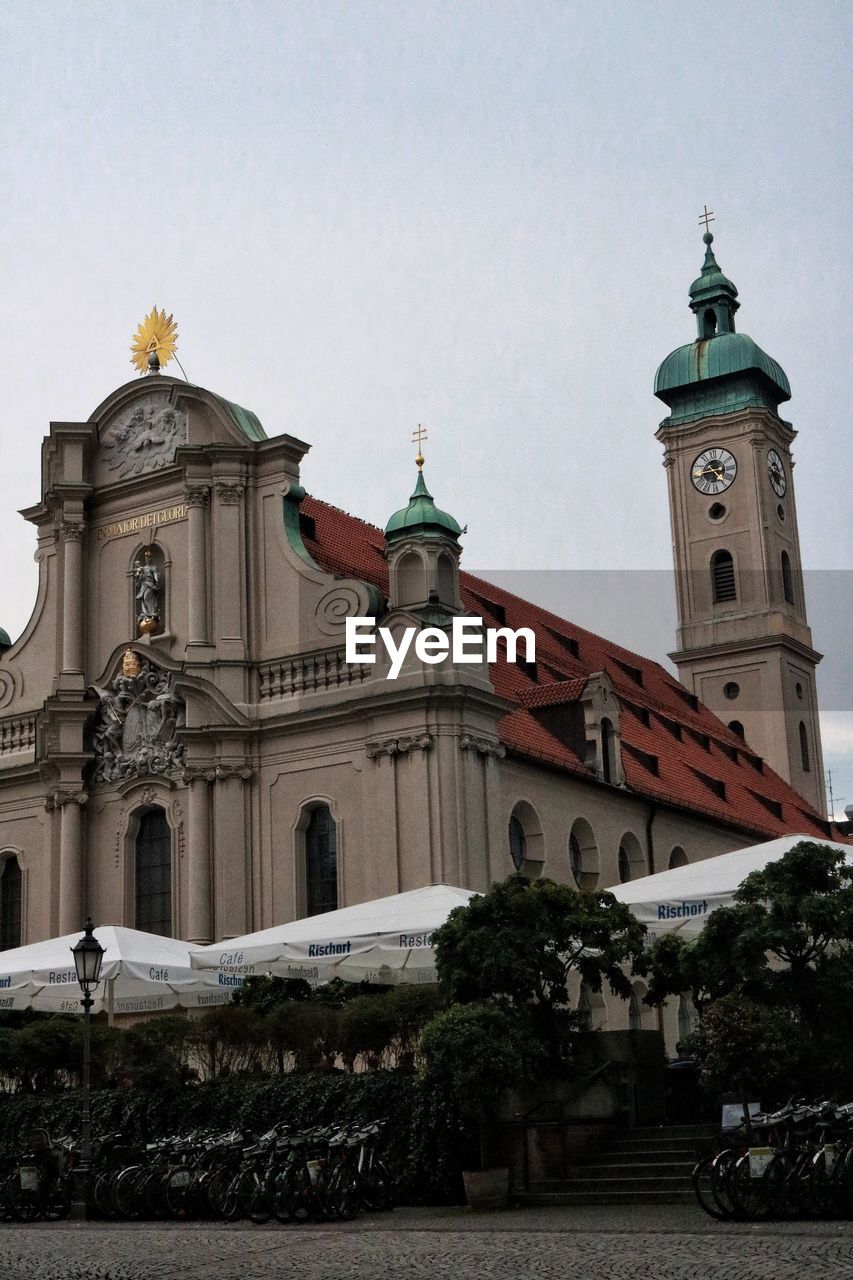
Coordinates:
(682, 899)
(388, 940)
(140, 973)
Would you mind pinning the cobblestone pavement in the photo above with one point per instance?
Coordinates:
(591, 1243)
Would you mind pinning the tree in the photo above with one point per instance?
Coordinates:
(784, 952)
(521, 942)
(470, 1054)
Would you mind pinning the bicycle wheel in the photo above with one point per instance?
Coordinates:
(344, 1190)
(24, 1201)
(248, 1182)
(126, 1202)
(379, 1187)
(100, 1193)
(222, 1194)
(824, 1186)
(178, 1193)
(703, 1188)
(723, 1163)
(261, 1208)
(748, 1192)
(776, 1184)
(56, 1199)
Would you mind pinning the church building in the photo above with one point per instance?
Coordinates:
(185, 749)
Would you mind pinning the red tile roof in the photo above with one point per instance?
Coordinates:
(684, 756)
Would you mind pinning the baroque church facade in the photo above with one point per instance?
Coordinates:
(184, 749)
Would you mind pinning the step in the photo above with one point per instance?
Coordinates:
(660, 1183)
(545, 1198)
(672, 1131)
(688, 1151)
(675, 1169)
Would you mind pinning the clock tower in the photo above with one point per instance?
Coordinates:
(744, 646)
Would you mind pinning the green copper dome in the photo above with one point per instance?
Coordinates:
(720, 357)
(722, 371)
(421, 518)
(5, 642)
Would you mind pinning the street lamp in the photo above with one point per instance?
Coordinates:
(88, 956)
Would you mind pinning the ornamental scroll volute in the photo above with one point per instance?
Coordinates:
(136, 728)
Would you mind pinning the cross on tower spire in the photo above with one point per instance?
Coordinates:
(418, 438)
(707, 217)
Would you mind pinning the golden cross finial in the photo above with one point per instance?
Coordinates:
(707, 217)
(418, 438)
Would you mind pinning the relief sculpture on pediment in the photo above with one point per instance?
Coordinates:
(136, 728)
(144, 437)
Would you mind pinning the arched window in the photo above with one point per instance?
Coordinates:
(583, 855)
(678, 858)
(446, 579)
(709, 323)
(723, 576)
(411, 579)
(632, 862)
(321, 862)
(635, 1013)
(576, 858)
(154, 874)
(10, 905)
(787, 580)
(804, 749)
(517, 843)
(737, 727)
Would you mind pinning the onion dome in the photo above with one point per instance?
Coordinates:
(421, 518)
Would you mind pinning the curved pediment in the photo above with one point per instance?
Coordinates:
(142, 424)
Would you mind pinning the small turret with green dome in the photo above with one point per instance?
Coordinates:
(422, 546)
(722, 371)
(421, 518)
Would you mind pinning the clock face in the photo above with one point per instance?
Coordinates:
(776, 472)
(713, 471)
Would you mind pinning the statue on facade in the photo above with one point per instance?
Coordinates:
(149, 581)
(136, 729)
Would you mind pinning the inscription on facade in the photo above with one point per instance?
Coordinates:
(166, 515)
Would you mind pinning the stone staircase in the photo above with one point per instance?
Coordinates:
(650, 1165)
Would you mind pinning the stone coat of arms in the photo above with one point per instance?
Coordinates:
(145, 437)
(136, 727)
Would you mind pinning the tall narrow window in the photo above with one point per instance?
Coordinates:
(787, 579)
(635, 1013)
(723, 576)
(804, 749)
(685, 1019)
(624, 865)
(10, 905)
(154, 874)
(321, 862)
(584, 1009)
(607, 770)
(517, 843)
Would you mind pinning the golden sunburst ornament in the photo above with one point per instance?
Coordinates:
(158, 336)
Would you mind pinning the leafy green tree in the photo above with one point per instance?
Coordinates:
(521, 943)
(470, 1055)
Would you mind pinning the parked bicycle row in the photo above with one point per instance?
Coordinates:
(792, 1163)
(318, 1174)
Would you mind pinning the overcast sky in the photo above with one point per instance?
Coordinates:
(479, 216)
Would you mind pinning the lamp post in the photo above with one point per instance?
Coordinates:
(88, 956)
